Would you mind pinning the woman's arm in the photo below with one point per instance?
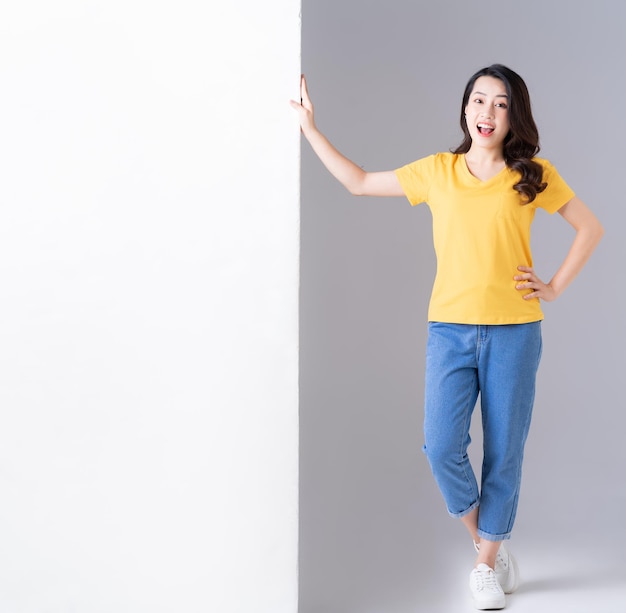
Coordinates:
(356, 180)
(589, 231)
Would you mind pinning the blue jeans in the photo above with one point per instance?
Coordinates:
(499, 362)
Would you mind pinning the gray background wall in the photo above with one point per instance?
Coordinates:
(386, 80)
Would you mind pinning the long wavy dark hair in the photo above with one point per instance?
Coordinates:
(521, 144)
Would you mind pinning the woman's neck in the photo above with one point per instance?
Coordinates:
(485, 157)
(485, 165)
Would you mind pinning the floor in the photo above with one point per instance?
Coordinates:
(556, 581)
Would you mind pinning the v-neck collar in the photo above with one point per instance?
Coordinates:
(474, 178)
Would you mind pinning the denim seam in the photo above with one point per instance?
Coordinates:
(465, 433)
(521, 455)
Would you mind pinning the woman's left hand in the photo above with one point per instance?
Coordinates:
(529, 280)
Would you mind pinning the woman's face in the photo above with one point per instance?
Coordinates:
(487, 113)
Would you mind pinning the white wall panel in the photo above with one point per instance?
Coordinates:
(149, 248)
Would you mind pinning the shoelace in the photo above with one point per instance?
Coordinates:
(486, 581)
(502, 560)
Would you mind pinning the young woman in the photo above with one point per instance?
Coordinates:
(484, 314)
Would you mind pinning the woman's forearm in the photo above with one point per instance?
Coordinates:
(585, 241)
(589, 231)
(356, 180)
(344, 170)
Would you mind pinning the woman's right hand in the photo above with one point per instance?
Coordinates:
(304, 108)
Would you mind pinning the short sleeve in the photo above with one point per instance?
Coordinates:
(557, 193)
(416, 178)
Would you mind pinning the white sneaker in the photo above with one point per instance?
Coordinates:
(506, 569)
(486, 590)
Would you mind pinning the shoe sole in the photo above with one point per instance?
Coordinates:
(490, 605)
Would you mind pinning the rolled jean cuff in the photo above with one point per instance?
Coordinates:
(493, 537)
(466, 512)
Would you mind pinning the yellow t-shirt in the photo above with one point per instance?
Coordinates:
(481, 232)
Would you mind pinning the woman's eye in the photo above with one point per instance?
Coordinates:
(478, 101)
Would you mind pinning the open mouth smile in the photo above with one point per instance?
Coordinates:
(485, 129)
